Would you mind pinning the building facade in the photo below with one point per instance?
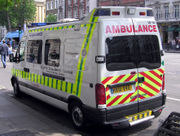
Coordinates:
(52, 7)
(138, 3)
(167, 14)
(75, 8)
(40, 11)
(109, 2)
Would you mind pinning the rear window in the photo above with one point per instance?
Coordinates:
(119, 53)
(127, 52)
(149, 52)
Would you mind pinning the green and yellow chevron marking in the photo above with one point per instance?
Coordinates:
(85, 50)
(44, 80)
(55, 28)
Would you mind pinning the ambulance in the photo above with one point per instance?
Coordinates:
(107, 68)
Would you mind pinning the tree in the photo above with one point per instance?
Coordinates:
(16, 12)
(51, 18)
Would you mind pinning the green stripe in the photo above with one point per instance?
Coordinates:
(82, 59)
(71, 87)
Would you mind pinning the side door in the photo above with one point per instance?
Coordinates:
(52, 64)
(18, 66)
(33, 60)
(119, 72)
(150, 64)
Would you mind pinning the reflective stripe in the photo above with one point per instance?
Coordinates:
(82, 59)
(50, 82)
(55, 28)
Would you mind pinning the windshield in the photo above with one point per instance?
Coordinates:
(127, 52)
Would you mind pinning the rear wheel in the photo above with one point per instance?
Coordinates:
(77, 115)
(17, 92)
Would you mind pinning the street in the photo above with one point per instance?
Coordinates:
(30, 117)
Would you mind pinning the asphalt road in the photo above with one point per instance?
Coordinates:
(31, 117)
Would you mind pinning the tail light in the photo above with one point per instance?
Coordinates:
(100, 96)
(163, 82)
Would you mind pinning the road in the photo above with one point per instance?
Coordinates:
(31, 117)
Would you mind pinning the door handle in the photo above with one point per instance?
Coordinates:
(140, 79)
(26, 69)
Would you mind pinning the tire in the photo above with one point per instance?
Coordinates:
(17, 92)
(77, 115)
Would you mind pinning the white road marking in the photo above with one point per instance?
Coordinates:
(174, 99)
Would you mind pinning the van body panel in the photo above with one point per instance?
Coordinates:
(118, 48)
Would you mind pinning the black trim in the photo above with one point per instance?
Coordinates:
(44, 92)
(140, 79)
(26, 69)
(54, 76)
(121, 84)
(100, 62)
(151, 103)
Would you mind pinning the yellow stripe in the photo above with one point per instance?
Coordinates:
(132, 96)
(46, 81)
(142, 93)
(154, 77)
(59, 85)
(145, 114)
(69, 88)
(151, 83)
(149, 90)
(157, 71)
(50, 82)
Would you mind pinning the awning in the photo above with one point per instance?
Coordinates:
(170, 29)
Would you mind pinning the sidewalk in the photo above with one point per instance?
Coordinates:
(17, 119)
(172, 51)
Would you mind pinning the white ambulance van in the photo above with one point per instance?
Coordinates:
(107, 68)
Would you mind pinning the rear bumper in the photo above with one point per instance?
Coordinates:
(117, 115)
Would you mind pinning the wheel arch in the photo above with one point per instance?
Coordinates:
(13, 78)
(75, 99)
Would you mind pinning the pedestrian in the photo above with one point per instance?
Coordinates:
(4, 53)
(10, 53)
(173, 43)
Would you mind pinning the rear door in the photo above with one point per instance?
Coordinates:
(149, 63)
(119, 73)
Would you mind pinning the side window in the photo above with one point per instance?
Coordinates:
(34, 51)
(52, 52)
(22, 50)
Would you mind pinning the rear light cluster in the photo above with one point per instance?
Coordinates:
(142, 13)
(100, 96)
(115, 13)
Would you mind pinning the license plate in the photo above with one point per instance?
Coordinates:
(140, 115)
(121, 89)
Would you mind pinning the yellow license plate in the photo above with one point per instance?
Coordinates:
(121, 89)
(140, 115)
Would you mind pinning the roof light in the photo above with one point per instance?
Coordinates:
(115, 13)
(102, 12)
(131, 11)
(142, 13)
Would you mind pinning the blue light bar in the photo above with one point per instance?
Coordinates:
(38, 24)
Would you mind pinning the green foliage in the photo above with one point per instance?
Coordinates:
(51, 18)
(16, 12)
